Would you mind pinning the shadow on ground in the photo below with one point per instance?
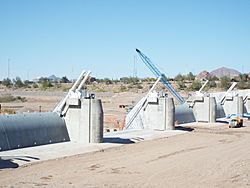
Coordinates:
(7, 161)
(181, 128)
(117, 140)
(222, 121)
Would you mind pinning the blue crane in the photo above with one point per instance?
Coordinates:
(157, 73)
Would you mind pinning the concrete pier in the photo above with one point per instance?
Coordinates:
(154, 113)
(233, 105)
(204, 109)
(84, 121)
(247, 104)
(160, 114)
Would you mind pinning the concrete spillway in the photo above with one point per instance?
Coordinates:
(25, 130)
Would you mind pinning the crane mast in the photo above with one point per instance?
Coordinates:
(157, 73)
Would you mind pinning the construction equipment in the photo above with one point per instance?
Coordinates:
(158, 74)
(236, 122)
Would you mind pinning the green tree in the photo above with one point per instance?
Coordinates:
(64, 79)
(179, 78)
(196, 85)
(107, 81)
(225, 82)
(130, 80)
(18, 82)
(213, 78)
(7, 82)
(243, 81)
(190, 76)
(148, 79)
(212, 83)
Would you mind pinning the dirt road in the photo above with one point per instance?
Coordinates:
(205, 157)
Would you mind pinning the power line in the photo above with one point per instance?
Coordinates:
(8, 68)
(135, 69)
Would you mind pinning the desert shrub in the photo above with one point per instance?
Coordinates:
(123, 88)
(35, 85)
(10, 98)
(46, 84)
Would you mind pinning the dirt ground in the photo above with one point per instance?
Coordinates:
(114, 116)
(207, 156)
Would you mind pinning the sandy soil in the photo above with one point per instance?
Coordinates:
(207, 156)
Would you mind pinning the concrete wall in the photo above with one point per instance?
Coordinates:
(247, 104)
(158, 114)
(233, 105)
(25, 130)
(205, 109)
(85, 121)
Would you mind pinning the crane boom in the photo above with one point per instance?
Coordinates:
(157, 73)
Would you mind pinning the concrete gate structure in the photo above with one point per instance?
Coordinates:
(77, 118)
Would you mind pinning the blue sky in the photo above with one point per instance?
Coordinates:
(63, 37)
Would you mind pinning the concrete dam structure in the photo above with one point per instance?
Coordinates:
(157, 112)
(25, 130)
(77, 118)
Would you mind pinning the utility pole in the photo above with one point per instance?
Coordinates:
(134, 70)
(28, 73)
(8, 68)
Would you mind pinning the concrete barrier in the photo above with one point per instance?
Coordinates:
(25, 130)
